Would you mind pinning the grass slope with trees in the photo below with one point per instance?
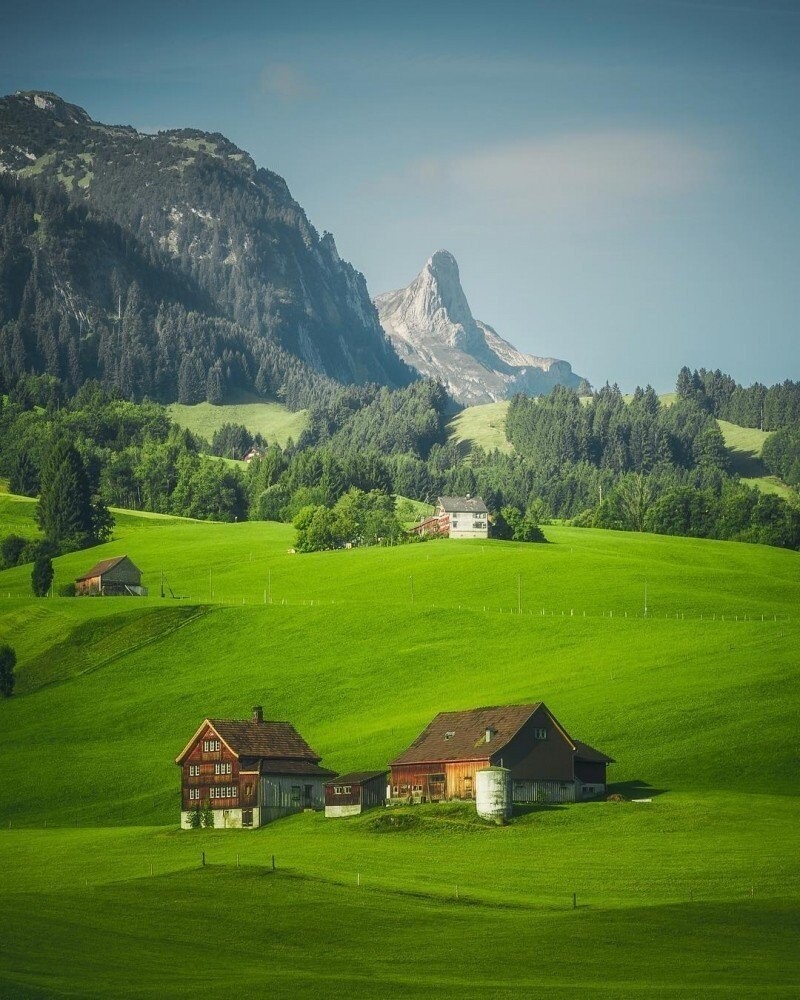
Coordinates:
(689, 704)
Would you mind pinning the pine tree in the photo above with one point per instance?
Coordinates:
(65, 504)
(8, 660)
(41, 575)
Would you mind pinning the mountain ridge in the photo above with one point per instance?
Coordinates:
(432, 328)
(231, 227)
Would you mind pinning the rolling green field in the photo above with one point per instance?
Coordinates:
(692, 894)
(484, 426)
(745, 445)
(271, 420)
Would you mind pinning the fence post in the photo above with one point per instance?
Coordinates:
(574, 901)
(273, 862)
(202, 859)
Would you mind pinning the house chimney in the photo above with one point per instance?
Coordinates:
(489, 735)
(258, 713)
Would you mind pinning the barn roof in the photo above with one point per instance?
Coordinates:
(462, 735)
(250, 738)
(584, 752)
(462, 505)
(102, 567)
(356, 777)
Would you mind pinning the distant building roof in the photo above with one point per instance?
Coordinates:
(462, 505)
(462, 735)
(356, 778)
(99, 569)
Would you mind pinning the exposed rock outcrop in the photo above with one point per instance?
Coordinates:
(432, 328)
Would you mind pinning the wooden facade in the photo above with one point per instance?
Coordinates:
(249, 772)
(545, 763)
(117, 577)
(353, 793)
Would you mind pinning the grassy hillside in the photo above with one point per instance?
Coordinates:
(745, 445)
(484, 426)
(691, 706)
(272, 420)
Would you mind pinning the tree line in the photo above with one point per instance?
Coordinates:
(597, 461)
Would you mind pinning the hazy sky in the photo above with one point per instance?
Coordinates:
(618, 179)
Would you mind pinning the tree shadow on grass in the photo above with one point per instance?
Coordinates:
(635, 789)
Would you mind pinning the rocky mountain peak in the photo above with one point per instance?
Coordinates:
(432, 328)
(50, 103)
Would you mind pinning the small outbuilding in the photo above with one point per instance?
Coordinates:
(117, 577)
(351, 794)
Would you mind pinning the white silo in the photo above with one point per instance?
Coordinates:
(493, 794)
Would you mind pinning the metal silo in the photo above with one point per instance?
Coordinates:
(493, 794)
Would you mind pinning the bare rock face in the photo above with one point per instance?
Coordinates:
(432, 328)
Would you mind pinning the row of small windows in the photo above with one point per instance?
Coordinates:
(224, 792)
(221, 768)
(209, 746)
(342, 789)
(217, 792)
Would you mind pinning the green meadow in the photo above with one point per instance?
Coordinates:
(271, 420)
(484, 426)
(693, 893)
(745, 445)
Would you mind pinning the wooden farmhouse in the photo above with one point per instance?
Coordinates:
(457, 517)
(350, 794)
(546, 764)
(249, 771)
(117, 577)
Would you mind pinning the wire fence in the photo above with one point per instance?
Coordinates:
(372, 879)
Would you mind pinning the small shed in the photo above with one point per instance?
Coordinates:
(350, 794)
(117, 577)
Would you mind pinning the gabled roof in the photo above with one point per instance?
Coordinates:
(103, 567)
(356, 778)
(256, 740)
(584, 752)
(462, 505)
(462, 735)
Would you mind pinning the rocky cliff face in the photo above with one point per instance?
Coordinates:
(232, 228)
(432, 328)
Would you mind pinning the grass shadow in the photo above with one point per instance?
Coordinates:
(530, 808)
(636, 789)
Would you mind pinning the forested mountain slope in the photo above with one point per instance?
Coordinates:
(200, 212)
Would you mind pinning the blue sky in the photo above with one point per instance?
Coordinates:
(618, 179)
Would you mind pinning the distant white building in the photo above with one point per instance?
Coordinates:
(457, 517)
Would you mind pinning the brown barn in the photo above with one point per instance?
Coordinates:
(350, 794)
(117, 577)
(545, 762)
(249, 771)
